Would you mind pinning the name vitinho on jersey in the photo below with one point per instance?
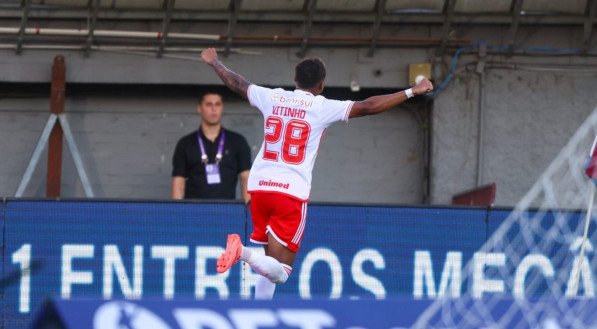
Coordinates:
(277, 98)
(289, 112)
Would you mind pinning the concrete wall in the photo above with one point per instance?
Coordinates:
(273, 66)
(529, 115)
(530, 111)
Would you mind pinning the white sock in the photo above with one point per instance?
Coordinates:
(264, 288)
(267, 266)
(246, 254)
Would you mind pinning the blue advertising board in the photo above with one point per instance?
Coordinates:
(538, 251)
(372, 252)
(283, 314)
(312, 314)
(168, 250)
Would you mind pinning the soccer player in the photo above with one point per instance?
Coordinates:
(280, 179)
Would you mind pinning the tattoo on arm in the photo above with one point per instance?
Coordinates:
(232, 80)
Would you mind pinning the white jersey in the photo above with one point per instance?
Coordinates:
(294, 123)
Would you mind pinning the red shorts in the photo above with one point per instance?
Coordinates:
(279, 215)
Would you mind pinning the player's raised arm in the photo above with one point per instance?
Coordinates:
(381, 103)
(230, 78)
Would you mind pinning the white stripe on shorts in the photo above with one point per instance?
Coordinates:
(270, 231)
(299, 232)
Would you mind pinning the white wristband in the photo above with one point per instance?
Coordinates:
(409, 93)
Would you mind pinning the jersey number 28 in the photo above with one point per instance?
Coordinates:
(294, 134)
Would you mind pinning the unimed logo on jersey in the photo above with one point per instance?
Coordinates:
(264, 182)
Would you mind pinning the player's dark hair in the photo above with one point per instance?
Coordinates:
(309, 72)
(202, 95)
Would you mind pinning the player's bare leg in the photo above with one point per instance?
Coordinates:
(276, 250)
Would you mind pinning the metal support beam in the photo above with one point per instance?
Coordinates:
(168, 9)
(53, 120)
(41, 144)
(233, 18)
(74, 151)
(309, 9)
(55, 130)
(588, 26)
(449, 6)
(516, 10)
(54, 172)
(25, 7)
(380, 8)
(93, 6)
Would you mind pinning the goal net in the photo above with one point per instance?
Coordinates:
(534, 271)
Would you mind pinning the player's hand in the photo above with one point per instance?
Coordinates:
(423, 87)
(209, 55)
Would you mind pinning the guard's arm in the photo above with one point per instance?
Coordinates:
(244, 180)
(178, 185)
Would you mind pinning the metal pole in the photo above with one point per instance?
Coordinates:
(41, 143)
(54, 173)
(74, 151)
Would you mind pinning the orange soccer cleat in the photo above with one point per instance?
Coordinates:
(232, 254)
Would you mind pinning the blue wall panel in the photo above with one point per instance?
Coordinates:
(392, 232)
(554, 235)
(48, 226)
(347, 251)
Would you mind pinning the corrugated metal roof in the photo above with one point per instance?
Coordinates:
(346, 5)
(194, 4)
(476, 6)
(425, 5)
(280, 22)
(274, 5)
(547, 6)
(462, 6)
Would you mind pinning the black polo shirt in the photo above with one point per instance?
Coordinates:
(187, 163)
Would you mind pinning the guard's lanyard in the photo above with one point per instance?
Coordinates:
(204, 158)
